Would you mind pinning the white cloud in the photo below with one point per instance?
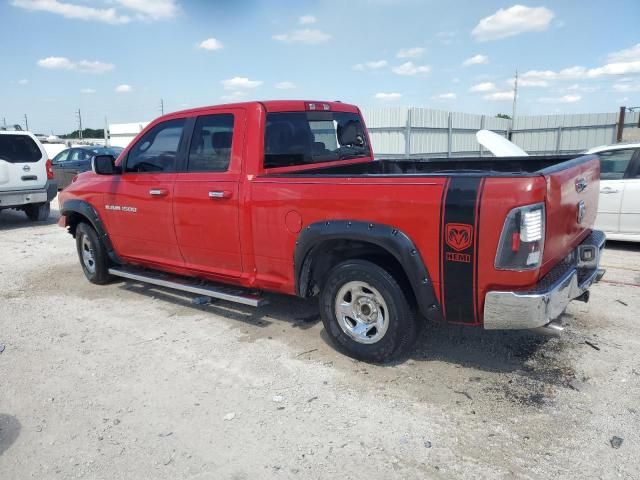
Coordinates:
(512, 21)
(413, 52)
(373, 65)
(581, 73)
(388, 96)
(234, 96)
(140, 9)
(445, 96)
(23, 81)
(88, 90)
(73, 11)
(285, 85)
(307, 19)
(627, 55)
(211, 44)
(409, 68)
(626, 87)
(152, 9)
(84, 66)
(581, 88)
(499, 96)
(476, 60)
(124, 88)
(570, 98)
(483, 87)
(307, 36)
(240, 83)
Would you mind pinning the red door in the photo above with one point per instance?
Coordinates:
(139, 204)
(206, 195)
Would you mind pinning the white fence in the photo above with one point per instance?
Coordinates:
(423, 132)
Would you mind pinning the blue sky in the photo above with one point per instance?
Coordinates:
(117, 58)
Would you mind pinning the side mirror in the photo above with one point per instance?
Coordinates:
(104, 165)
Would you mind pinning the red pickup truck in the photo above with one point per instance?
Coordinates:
(285, 196)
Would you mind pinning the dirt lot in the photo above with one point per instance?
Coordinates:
(126, 381)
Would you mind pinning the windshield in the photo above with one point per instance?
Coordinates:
(299, 138)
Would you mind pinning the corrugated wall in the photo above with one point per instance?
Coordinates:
(440, 133)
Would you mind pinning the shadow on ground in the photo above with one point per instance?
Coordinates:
(13, 219)
(9, 431)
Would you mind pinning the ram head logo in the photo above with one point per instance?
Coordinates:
(459, 236)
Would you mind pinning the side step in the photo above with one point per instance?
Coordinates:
(184, 284)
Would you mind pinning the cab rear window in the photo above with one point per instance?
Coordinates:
(299, 138)
(19, 149)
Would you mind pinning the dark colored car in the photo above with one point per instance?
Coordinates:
(72, 161)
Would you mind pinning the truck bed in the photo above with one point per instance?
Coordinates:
(476, 166)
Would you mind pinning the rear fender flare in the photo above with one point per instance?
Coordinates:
(392, 240)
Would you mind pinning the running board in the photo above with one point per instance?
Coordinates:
(197, 287)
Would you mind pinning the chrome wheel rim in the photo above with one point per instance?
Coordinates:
(87, 254)
(361, 312)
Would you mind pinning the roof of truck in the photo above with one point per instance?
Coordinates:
(279, 106)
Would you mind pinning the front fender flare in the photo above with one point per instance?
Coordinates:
(86, 210)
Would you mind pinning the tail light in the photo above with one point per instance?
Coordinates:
(49, 170)
(522, 240)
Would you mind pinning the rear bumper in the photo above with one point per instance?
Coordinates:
(539, 306)
(18, 198)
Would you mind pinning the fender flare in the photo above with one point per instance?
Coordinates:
(86, 210)
(391, 239)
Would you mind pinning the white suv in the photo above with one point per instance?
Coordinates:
(26, 176)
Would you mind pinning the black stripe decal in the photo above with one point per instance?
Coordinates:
(458, 256)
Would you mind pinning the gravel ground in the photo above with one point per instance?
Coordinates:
(127, 381)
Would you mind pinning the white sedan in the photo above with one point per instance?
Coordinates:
(619, 205)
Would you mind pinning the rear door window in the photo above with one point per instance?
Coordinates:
(614, 163)
(157, 150)
(19, 149)
(210, 149)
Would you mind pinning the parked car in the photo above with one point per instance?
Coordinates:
(26, 177)
(72, 161)
(285, 196)
(619, 205)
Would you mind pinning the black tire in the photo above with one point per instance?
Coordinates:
(38, 212)
(96, 268)
(401, 324)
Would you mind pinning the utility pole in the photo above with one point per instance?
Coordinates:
(107, 141)
(515, 100)
(26, 122)
(4, 121)
(161, 106)
(79, 123)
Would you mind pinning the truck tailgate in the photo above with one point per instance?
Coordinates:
(571, 206)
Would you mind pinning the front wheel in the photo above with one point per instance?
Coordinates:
(93, 256)
(365, 311)
(38, 212)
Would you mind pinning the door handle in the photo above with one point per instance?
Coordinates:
(220, 194)
(607, 190)
(158, 192)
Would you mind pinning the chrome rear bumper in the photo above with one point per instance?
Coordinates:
(539, 306)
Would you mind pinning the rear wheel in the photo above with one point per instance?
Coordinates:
(38, 212)
(93, 255)
(365, 311)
